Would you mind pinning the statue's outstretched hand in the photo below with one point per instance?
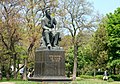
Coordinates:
(50, 29)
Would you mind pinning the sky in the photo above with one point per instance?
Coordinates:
(105, 6)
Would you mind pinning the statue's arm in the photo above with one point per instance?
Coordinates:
(43, 25)
(54, 21)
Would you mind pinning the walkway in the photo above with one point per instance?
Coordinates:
(6, 83)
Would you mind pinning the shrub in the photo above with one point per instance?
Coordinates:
(90, 73)
(115, 77)
(86, 77)
(99, 73)
(99, 76)
(91, 77)
(110, 80)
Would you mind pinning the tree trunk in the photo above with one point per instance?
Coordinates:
(94, 72)
(14, 73)
(25, 70)
(75, 62)
(114, 70)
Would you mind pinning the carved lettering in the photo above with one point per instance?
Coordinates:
(55, 58)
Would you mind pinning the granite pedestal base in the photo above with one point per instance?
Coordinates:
(49, 65)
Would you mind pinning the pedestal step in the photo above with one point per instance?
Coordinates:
(50, 78)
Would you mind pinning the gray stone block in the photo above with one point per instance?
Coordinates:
(49, 63)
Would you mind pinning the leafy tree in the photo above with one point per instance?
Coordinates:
(84, 55)
(31, 29)
(66, 42)
(113, 30)
(84, 63)
(10, 30)
(99, 45)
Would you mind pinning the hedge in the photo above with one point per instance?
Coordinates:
(115, 77)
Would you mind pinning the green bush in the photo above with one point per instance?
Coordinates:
(115, 77)
(86, 77)
(90, 73)
(99, 76)
(99, 73)
(110, 80)
(91, 77)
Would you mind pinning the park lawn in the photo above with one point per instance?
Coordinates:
(84, 81)
(95, 81)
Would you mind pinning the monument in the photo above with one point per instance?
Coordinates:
(49, 57)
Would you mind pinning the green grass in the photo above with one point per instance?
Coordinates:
(95, 81)
(82, 81)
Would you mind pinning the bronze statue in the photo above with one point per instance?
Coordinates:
(50, 38)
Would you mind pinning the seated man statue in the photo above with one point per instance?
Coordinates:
(50, 37)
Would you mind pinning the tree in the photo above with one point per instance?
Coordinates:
(10, 29)
(31, 15)
(66, 42)
(76, 17)
(113, 31)
(99, 46)
(84, 56)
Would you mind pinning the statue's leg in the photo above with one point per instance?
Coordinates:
(47, 37)
(51, 38)
(56, 39)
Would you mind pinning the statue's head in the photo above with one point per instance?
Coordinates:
(47, 12)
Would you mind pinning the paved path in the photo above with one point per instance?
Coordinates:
(6, 83)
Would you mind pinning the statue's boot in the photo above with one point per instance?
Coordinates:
(49, 46)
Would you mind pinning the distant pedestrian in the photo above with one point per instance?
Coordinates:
(0, 75)
(30, 73)
(105, 77)
(21, 72)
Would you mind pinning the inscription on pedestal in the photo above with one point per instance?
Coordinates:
(55, 58)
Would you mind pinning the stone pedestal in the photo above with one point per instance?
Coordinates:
(49, 65)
